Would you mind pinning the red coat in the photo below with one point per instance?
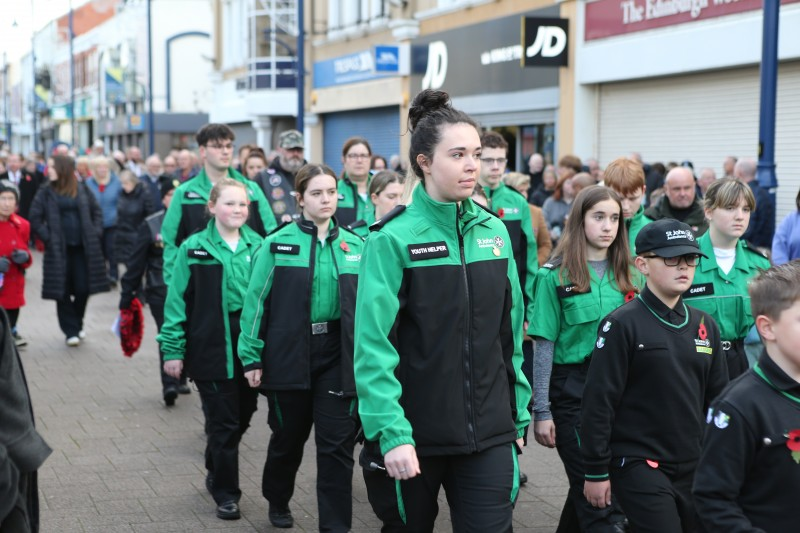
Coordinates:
(14, 235)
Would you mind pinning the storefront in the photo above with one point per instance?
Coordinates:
(481, 67)
(680, 81)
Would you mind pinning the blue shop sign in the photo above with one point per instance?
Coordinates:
(379, 62)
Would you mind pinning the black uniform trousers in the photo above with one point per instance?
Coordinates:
(481, 490)
(291, 415)
(109, 234)
(655, 499)
(566, 393)
(157, 310)
(72, 307)
(228, 405)
(736, 358)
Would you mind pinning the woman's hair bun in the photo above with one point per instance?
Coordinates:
(426, 102)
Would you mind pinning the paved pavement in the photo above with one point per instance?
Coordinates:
(122, 461)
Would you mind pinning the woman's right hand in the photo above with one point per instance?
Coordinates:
(544, 431)
(401, 462)
(253, 377)
(173, 368)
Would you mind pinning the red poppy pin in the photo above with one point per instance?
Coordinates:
(702, 332)
(343, 245)
(793, 443)
(501, 212)
(630, 296)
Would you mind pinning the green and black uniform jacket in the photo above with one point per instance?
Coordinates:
(439, 331)
(634, 225)
(187, 213)
(512, 208)
(351, 206)
(724, 296)
(208, 283)
(297, 281)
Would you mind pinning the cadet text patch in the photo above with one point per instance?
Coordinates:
(191, 195)
(565, 291)
(278, 248)
(428, 250)
(700, 289)
(199, 254)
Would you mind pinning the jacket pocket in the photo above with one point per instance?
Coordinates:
(574, 314)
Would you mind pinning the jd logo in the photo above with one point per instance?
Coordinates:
(545, 42)
(437, 66)
(550, 42)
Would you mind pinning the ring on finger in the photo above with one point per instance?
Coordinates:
(402, 470)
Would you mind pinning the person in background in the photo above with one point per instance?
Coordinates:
(98, 148)
(15, 256)
(106, 188)
(134, 157)
(146, 262)
(762, 222)
(244, 151)
(277, 181)
(727, 267)
(66, 216)
(581, 181)
(377, 163)
(568, 166)
(117, 162)
(133, 206)
(385, 192)
(154, 179)
(521, 183)
(786, 242)
(536, 174)
(626, 178)
(186, 167)
(556, 207)
(170, 165)
(728, 165)
(706, 178)
(680, 201)
(27, 183)
(83, 168)
(547, 187)
(254, 163)
(354, 202)
(594, 170)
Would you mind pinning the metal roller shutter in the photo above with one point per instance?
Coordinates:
(703, 118)
(380, 126)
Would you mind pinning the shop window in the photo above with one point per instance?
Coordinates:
(353, 14)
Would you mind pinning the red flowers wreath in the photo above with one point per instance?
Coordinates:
(131, 328)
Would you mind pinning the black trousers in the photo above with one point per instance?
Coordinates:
(655, 499)
(13, 316)
(736, 359)
(157, 310)
(109, 235)
(566, 393)
(72, 307)
(228, 406)
(481, 490)
(381, 489)
(291, 415)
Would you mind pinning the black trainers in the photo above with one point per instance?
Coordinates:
(228, 511)
(170, 393)
(184, 388)
(280, 517)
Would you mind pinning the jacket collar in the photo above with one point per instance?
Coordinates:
(710, 263)
(777, 377)
(308, 226)
(446, 213)
(673, 316)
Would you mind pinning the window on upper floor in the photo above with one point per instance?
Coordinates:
(344, 15)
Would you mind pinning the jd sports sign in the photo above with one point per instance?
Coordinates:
(544, 42)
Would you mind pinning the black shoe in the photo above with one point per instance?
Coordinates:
(228, 511)
(170, 393)
(281, 517)
(210, 482)
(523, 478)
(183, 388)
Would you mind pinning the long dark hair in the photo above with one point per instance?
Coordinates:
(572, 246)
(66, 184)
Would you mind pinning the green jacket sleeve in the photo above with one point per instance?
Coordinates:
(172, 337)
(169, 234)
(522, 389)
(375, 357)
(250, 345)
(532, 264)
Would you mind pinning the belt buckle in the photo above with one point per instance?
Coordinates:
(726, 345)
(319, 328)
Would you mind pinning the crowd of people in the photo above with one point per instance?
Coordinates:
(434, 314)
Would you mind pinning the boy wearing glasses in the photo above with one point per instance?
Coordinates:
(187, 212)
(656, 367)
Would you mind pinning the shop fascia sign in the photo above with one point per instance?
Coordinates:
(377, 62)
(607, 18)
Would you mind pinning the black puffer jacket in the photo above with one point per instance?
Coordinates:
(132, 208)
(46, 224)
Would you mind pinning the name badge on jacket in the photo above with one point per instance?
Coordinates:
(278, 248)
(428, 250)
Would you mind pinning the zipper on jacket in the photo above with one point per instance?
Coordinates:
(467, 338)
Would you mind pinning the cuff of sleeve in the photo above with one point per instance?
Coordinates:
(250, 350)
(521, 432)
(253, 366)
(173, 357)
(389, 444)
(540, 416)
(596, 472)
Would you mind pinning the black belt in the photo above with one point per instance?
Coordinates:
(728, 345)
(323, 328)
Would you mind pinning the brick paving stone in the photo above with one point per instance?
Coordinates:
(123, 462)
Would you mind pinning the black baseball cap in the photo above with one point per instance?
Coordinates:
(667, 238)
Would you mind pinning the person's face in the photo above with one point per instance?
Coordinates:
(535, 163)
(387, 199)
(594, 170)
(14, 163)
(493, 164)
(218, 153)
(168, 198)
(101, 171)
(631, 202)
(600, 224)
(379, 165)
(82, 168)
(356, 161)
(320, 198)
(549, 180)
(170, 165)
(727, 166)
(669, 281)
(153, 167)
(730, 222)
(184, 160)
(230, 209)
(127, 185)
(568, 189)
(784, 333)
(8, 204)
(452, 171)
(291, 159)
(135, 155)
(253, 166)
(680, 188)
(523, 189)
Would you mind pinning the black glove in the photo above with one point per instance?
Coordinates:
(125, 301)
(20, 257)
(4, 264)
